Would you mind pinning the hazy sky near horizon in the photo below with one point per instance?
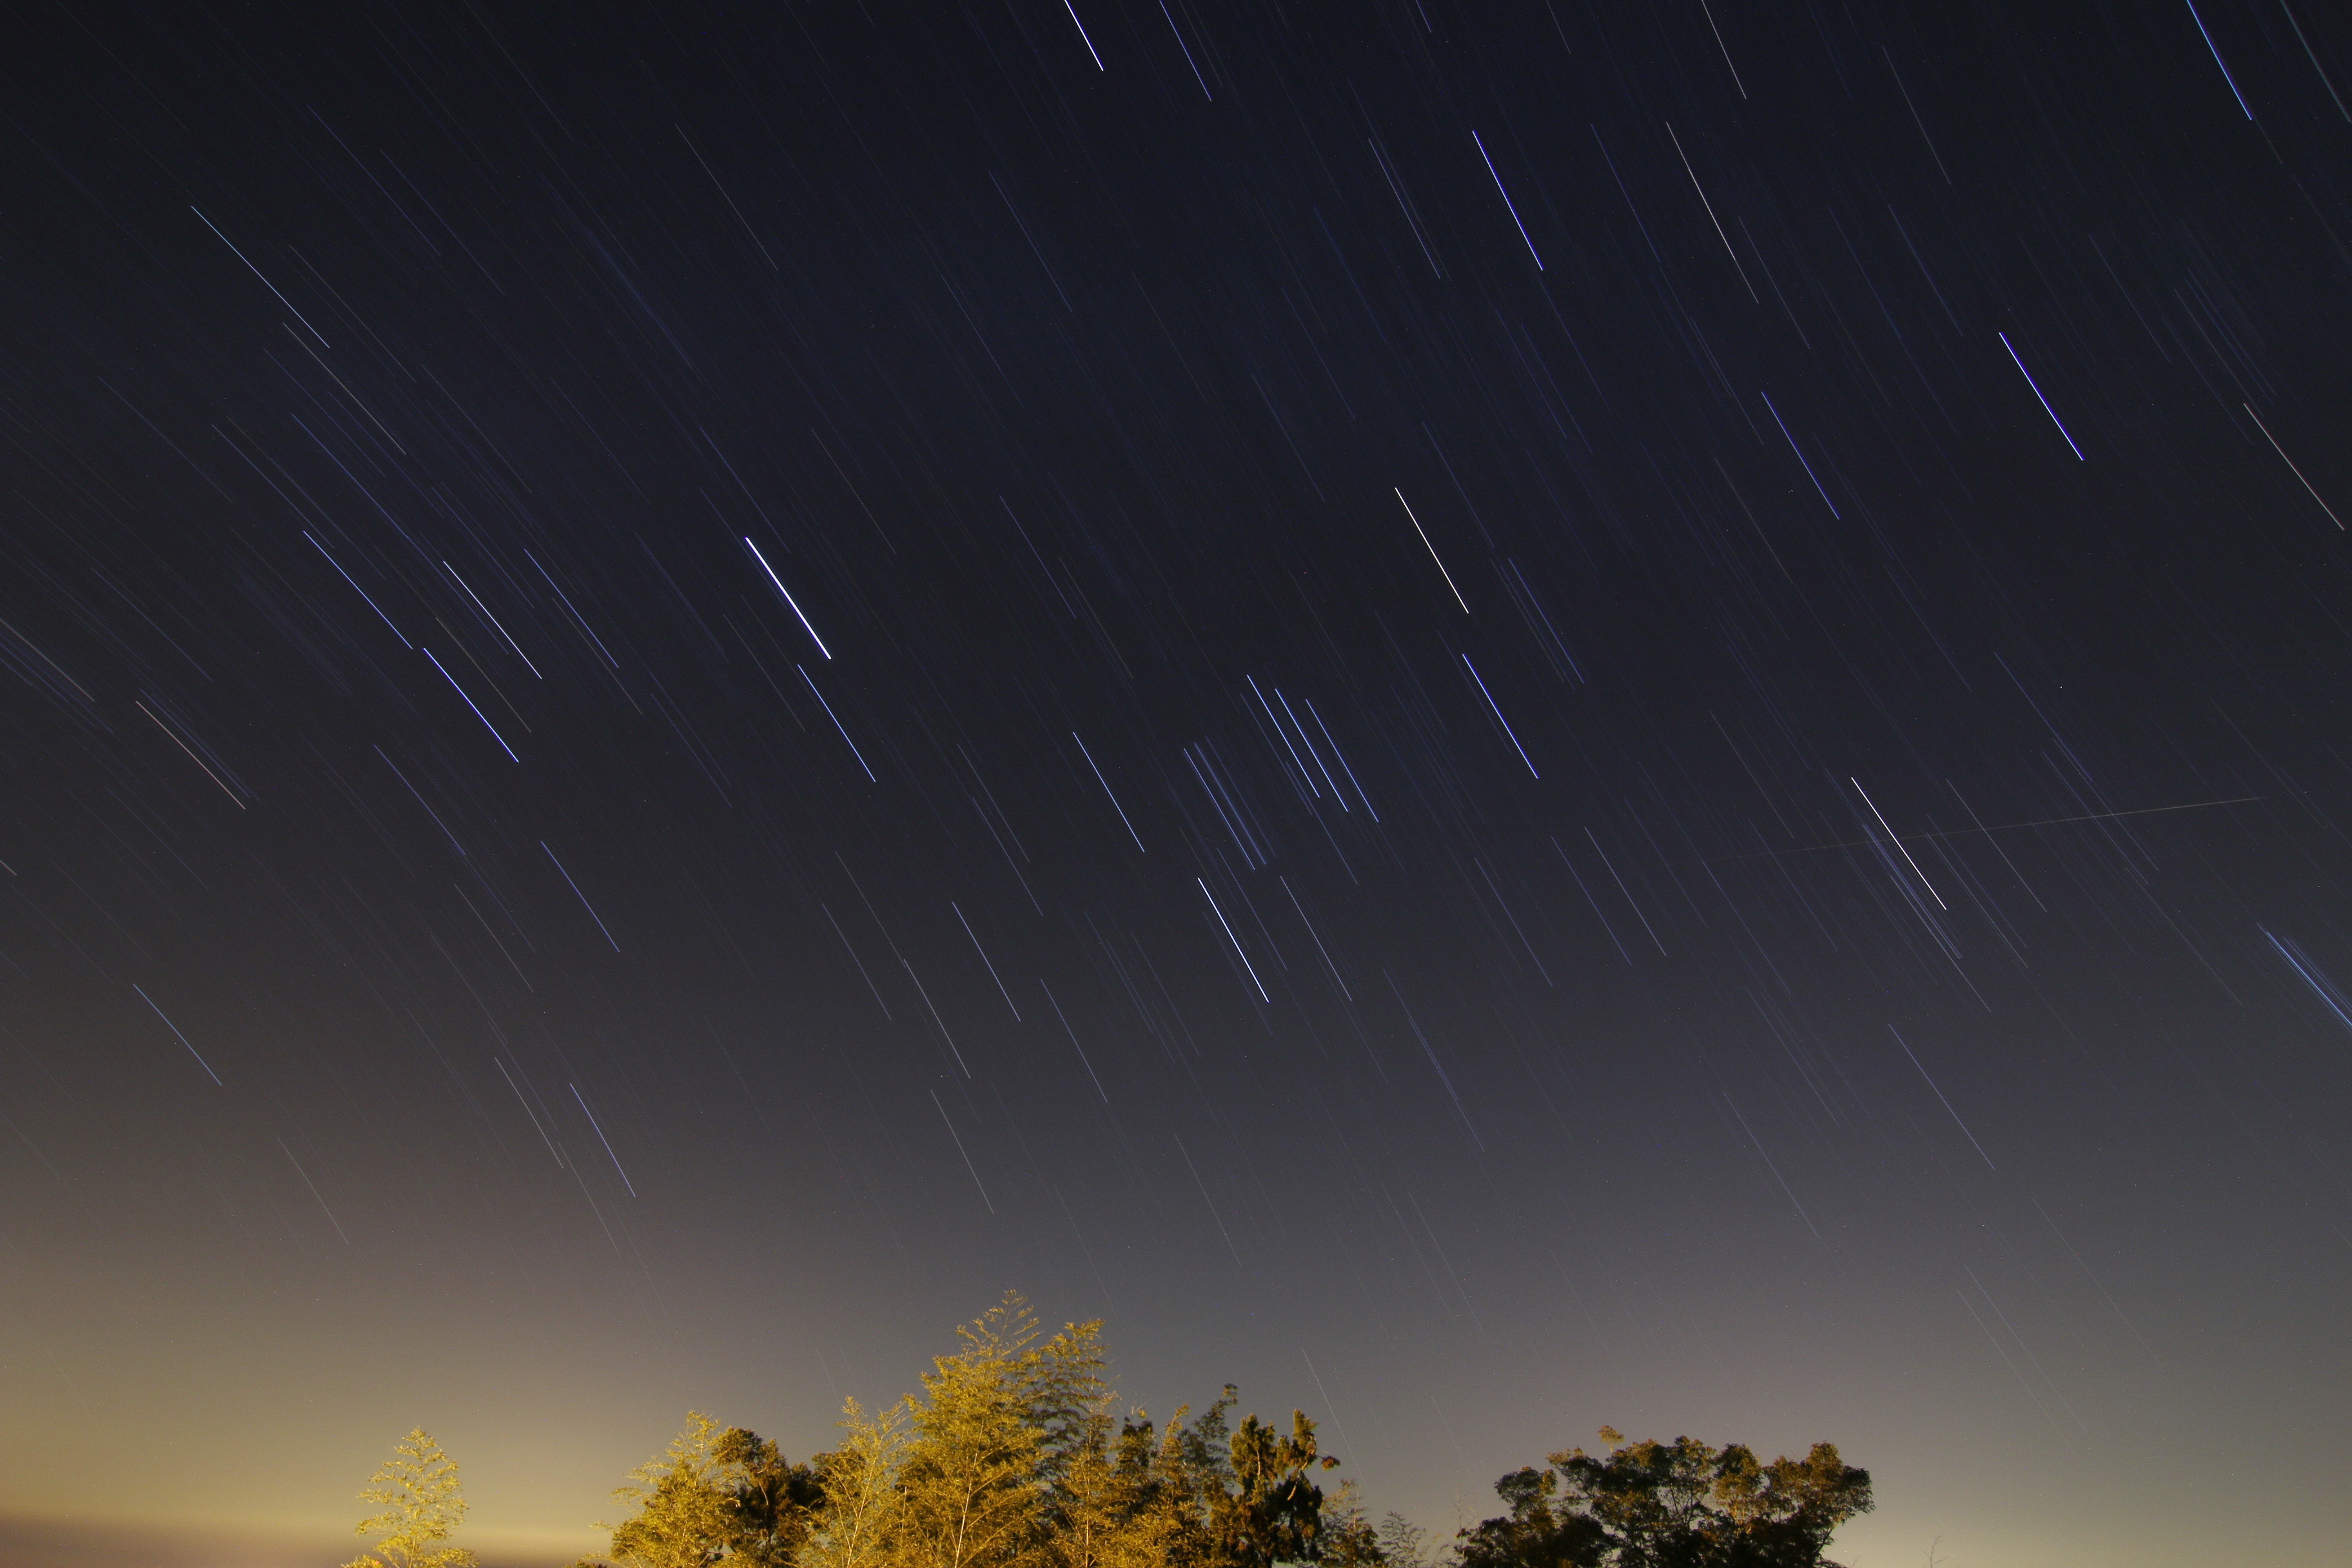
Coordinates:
(1494, 718)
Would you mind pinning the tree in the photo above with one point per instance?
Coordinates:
(1057, 1384)
(682, 1518)
(1349, 1538)
(1669, 1505)
(1136, 1504)
(715, 1496)
(1005, 1460)
(420, 1505)
(769, 1499)
(1093, 1509)
(1781, 1515)
(1403, 1544)
(1272, 1512)
(1534, 1533)
(973, 1477)
(1205, 1495)
(856, 1521)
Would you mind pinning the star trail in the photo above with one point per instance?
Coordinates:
(1658, 694)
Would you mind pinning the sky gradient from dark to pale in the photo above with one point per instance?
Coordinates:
(1496, 717)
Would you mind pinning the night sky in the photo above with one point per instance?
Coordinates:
(1493, 718)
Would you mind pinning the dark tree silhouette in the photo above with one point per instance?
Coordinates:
(1669, 1505)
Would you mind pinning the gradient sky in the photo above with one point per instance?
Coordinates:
(1494, 718)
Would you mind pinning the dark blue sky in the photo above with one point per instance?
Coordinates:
(1494, 718)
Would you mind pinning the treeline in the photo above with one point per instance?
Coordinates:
(1013, 1456)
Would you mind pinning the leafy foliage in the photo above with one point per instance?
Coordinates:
(715, 1496)
(972, 1478)
(1012, 1456)
(1349, 1538)
(419, 1504)
(1669, 1505)
(1402, 1543)
(858, 1519)
(1272, 1512)
(771, 1500)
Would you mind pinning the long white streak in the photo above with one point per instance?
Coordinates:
(1310, 749)
(420, 801)
(1074, 1040)
(363, 593)
(942, 1023)
(788, 597)
(1710, 211)
(1622, 889)
(567, 605)
(1939, 1095)
(601, 1138)
(2011, 1364)
(580, 896)
(2094, 1279)
(1774, 1168)
(1801, 451)
(1318, 941)
(1188, 54)
(2317, 988)
(1235, 939)
(2218, 61)
(857, 961)
(282, 299)
(984, 958)
(1343, 758)
(2039, 1370)
(1505, 723)
(2289, 462)
(338, 381)
(460, 690)
(1446, 1079)
(527, 1110)
(1425, 544)
(1594, 902)
(1206, 1199)
(192, 756)
(960, 1149)
(1725, 48)
(723, 196)
(183, 1039)
(477, 604)
(1898, 842)
(314, 1192)
(1248, 857)
(1285, 737)
(1073, 10)
(2313, 58)
(52, 664)
(1404, 205)
(837, 724)
(1107, 791)
(2045, 402)
(1326, 1399)
(1507, 200)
